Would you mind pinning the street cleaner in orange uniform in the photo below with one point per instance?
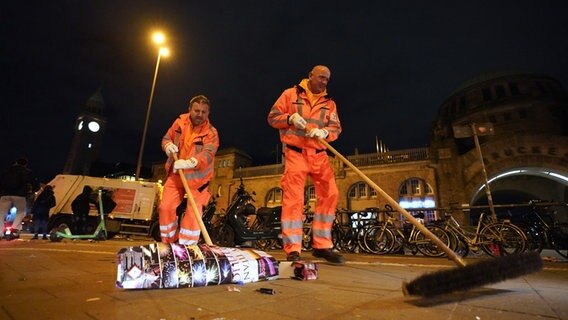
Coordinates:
(196, 141)
(303, 114)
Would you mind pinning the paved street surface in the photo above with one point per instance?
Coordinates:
(76, 280)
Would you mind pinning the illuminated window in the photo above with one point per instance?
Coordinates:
(416, 193)
(361, 190)
(310, 193)
(274, 197)
(415, 186)
(418, 197)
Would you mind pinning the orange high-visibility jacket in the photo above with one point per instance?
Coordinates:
(322, 115)
(200, 142)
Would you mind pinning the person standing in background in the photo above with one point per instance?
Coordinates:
(16, 184)
(81, 206)
(40, 210)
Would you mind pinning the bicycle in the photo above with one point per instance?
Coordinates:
(495, 238)
(543, 230)
(307, 229)
(389, 237)
(349, 228)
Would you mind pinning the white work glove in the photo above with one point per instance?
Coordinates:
(318, 133)
(185, 164)
(297, 121)
(171, 149)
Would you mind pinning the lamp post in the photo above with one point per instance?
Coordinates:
(158, 39)
(476, 130)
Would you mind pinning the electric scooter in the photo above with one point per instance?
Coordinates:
(100, 233)
(10, 233)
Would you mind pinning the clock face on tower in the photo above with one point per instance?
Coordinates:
(94, 126)
(89, 129)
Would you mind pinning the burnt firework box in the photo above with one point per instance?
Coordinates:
(305, 270)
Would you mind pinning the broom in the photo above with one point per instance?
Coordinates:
(194, 207)
(465, 276)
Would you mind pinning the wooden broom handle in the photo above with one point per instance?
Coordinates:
(194, 206)
(449, 252)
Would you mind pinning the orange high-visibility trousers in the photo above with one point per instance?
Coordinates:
(296, 169)
(172, 196)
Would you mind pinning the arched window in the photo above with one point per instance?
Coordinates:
(310, 193)
(361, 196)
(361, 190)
(310, 197)
(274, 197)
(416, 194)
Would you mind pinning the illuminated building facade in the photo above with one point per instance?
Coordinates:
(525, 157)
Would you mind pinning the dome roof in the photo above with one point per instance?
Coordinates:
(487, 76)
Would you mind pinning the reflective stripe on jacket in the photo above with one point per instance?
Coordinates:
(200, 142)
(321, 115)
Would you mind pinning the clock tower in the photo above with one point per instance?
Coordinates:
(89, 129)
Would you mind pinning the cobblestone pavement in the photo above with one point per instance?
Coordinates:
(76, 280)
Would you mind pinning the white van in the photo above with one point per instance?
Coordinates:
(136, 204)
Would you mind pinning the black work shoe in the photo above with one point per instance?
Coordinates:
(329, 255)
(293, 256)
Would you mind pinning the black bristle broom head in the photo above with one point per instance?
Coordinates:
(474, 275)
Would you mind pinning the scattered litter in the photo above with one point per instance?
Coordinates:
(93, 299)
(305, 271)
(266, 290)
(22, 279)
(233, 288)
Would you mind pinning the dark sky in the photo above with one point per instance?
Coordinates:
(393, 63)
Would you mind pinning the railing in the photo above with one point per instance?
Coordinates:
(399, 156)
(368, 159)
(267, 170)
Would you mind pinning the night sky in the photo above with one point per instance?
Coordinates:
(393, 63)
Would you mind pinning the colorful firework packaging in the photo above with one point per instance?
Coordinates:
(161, 265)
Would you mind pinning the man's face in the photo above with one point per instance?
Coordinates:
(318, 79)
(198, 113)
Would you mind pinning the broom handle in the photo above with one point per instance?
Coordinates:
(449, 252)
(194, 206)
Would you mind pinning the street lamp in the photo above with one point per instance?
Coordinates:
(163, 51)
(476, 130)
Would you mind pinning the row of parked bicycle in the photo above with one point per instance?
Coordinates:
(385, 232)
(364, 231)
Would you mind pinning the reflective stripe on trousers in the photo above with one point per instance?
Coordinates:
(172, 196)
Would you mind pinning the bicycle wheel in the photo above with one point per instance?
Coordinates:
(462, 248)
(399, 243)
(501, 239)
(536, 239)
(348, 243)
(307, 238)
(361, 234)
(559, 238)
(426, 246)
(379, 240)
(457, 244)
(336, 235)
